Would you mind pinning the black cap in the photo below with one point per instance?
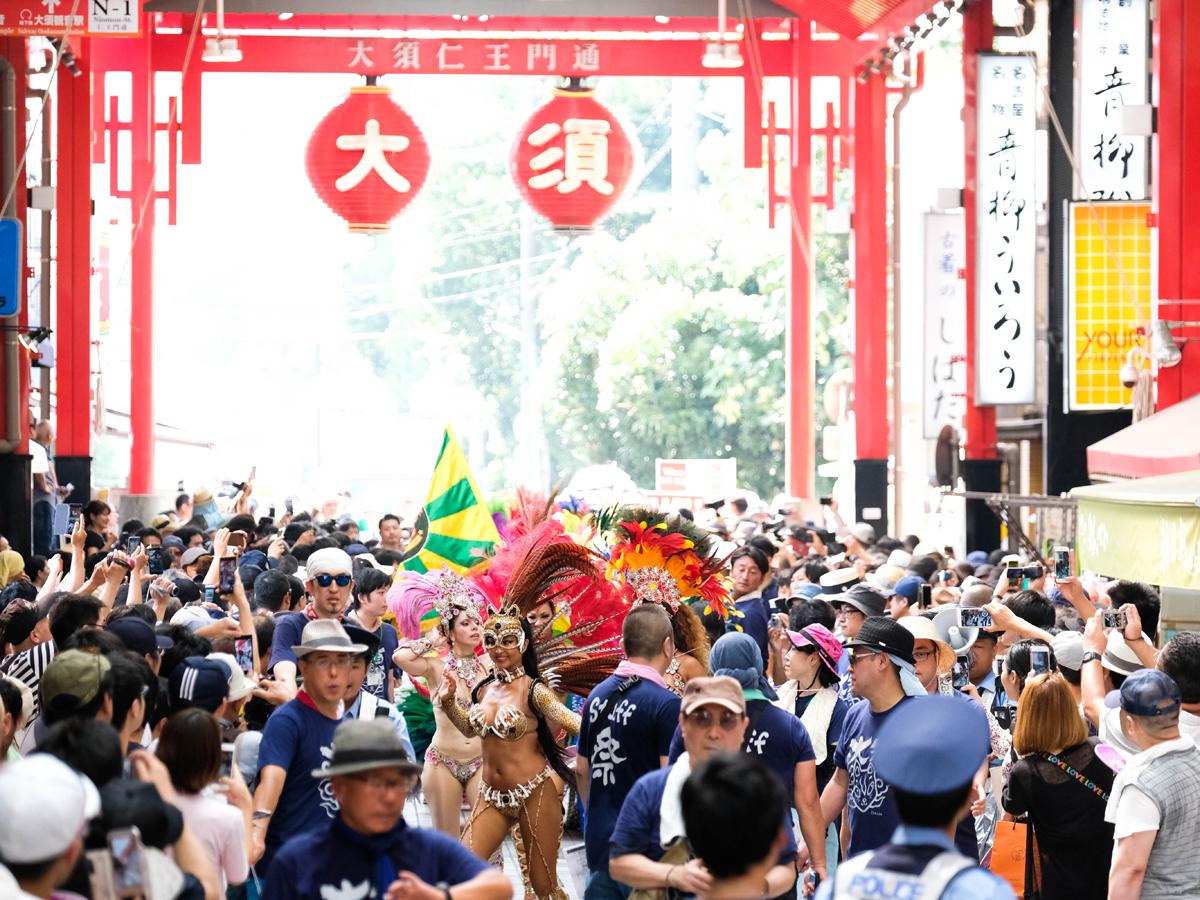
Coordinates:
(885, 635)
(125, 803)
(139, 636)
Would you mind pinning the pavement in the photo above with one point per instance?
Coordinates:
(572, 866)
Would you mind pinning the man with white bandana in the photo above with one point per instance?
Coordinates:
(649, 848)
(882, 673)
(330, 583)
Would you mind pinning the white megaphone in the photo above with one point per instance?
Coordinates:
(950, 632)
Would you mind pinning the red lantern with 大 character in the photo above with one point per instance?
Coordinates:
(367, 159)
(572, 159)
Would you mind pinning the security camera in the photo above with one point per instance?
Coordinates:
(1128, 375)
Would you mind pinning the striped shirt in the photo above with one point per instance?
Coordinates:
(27, 667)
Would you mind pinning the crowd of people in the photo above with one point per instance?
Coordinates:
(218, 704)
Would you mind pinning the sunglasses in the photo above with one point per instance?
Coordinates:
(326, 580)
(704, 719)
(858, 653)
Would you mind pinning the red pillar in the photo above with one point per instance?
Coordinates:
(16, 52)
(800, 469)
(977, 35)
(1177, 84)
(141, 388)
(871, 405)
(870, 269)
(73, 335)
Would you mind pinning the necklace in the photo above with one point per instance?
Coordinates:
(508, 676)
(469, 667)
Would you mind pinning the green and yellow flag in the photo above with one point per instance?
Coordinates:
(455, 528)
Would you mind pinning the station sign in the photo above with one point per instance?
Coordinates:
(70, 18)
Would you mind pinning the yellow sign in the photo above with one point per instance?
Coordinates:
(1109, 299)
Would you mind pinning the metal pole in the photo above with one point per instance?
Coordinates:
(8, 177)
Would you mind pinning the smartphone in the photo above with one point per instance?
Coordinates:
(243, 652)
(1039, 659)
(924, 596)
(64, 539)
(238, 539)
(1033, 573)
(132, 542)
(826, 501)
(287, 504)
(226, 760)
(128, 862)
(960, 675)
(210, 593)
(271, 512)
(998, 666)
(228, 574)
(1115, 618)
(1062, 563)
(1014, 574)
(971, 617)
(158, 560)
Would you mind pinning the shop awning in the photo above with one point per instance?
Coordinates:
(1143, 530)
(1166, 442)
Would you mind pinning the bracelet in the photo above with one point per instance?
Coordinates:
(667, 880)
(259, 814)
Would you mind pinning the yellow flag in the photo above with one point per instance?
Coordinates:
(455, 528)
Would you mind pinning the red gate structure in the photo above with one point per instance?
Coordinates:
(794, 39)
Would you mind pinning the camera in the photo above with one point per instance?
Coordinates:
(1128, 375)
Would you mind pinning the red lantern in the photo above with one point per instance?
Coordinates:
(572, 159)
(367, 159)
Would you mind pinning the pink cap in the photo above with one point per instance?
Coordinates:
(829, 648)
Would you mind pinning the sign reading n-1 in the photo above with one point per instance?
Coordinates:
(64, 18)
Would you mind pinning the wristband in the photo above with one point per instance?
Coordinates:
(260, 814)
(667, 880)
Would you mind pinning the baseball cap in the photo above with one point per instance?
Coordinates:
(977, 558)
(44, 806)
(866, 599)
(192, 555)
(885, 578)
(1068, 650)
(899, 558)
(931, 745)
(718, 689)
(908, 587)
(884, 635)
(126, 803)
(171, 542)
(240, 687)
(76, 674)
(356, 549)
(329, 561)
(1147, 693)
(198, 681)
(137, 635)
(861, 532)
(192, 617)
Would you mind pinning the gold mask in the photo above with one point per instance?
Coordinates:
(504, 629)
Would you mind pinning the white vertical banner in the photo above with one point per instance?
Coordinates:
(1113, 71)
(1005, 230)
(944, 378)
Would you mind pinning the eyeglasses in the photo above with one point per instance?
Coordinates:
(922, 655)
(340, 661)
(509, 640)
(857, 653)
(704, 719)
(378, 781)
(326, 580)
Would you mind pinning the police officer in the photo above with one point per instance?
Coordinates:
(928, 752)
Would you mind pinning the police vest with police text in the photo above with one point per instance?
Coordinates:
(899, 872)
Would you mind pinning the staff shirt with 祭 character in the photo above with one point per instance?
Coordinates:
(869, 800)
(625, 731)
(298, 739)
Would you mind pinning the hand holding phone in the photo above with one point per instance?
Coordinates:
(1062, 563)
(1115, 618)
(971, 617)
(1039, 659)
(228, 570)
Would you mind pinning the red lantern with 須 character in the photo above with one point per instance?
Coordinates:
(572, 159)
(367, 159)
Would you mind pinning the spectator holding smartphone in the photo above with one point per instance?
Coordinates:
(1062, 786)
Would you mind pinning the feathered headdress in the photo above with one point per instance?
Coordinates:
(421, 601)
(553, 569)
(663, 559)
